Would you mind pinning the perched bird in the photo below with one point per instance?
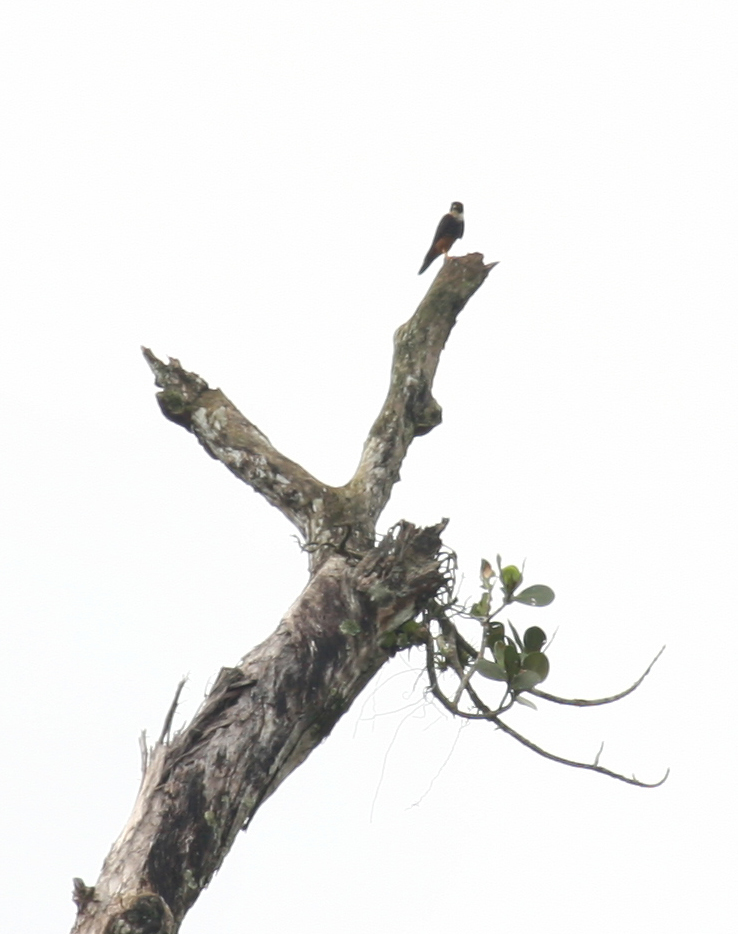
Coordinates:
(450, 229)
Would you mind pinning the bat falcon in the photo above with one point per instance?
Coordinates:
(450, 229)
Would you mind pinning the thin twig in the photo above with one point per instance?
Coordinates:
(438, 693)
(170, 713)
(144, 749)
(573, 702)
(440, 770)
(574, 763)
(472, 669)
(484, 712)
(478, 656)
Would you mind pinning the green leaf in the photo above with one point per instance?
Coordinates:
(512, 661)
(495, 633)
(511, 578)
(537, 662)
(526, 702)
(349, 627)
(517, 636)
(491, 670)
(537, 595)
(524, 680)
(534, 639)
(481, 609)
(498, 650)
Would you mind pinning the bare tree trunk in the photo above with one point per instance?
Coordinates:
(262, 718)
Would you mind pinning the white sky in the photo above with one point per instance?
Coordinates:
(251, 188)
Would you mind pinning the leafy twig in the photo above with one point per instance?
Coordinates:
(465, 660)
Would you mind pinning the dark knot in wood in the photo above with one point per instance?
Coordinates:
(146, 914)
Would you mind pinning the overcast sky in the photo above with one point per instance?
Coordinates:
(251, 188)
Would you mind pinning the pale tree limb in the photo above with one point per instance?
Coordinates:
(333, 518)
(231, 438)
(262, 718)
(410, 409)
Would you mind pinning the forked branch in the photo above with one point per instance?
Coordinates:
(331, 518)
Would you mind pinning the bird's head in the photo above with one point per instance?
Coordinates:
(457, 208)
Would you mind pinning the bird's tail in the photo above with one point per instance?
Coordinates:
(427, 261)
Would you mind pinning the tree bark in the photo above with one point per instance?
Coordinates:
(263, 717)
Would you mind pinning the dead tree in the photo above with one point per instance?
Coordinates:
(263, 717)
(365, 600)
